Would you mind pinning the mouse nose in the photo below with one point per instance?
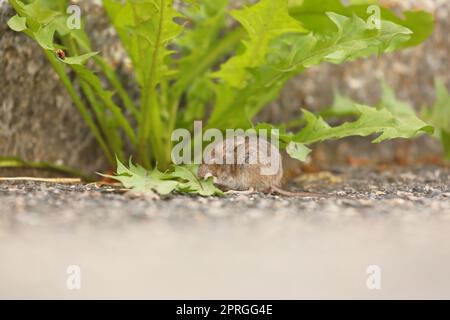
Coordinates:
(207, 175)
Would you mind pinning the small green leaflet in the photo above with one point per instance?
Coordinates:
(298, 151)
(17, 23)
(44, 36)
(295, 149)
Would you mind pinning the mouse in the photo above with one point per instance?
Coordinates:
(256, 166)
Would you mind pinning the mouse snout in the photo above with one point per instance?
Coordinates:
(208, 175)
(204, 173)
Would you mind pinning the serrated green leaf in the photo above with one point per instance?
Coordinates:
(371, 121)
(146, 27)
(140, 180)
(17, 23)
(290, 54)
(312, 14)
(202, 46)
(192, 184)
(352, 39)
(181, 178)
(263, 22)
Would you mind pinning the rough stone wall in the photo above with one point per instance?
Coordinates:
(39, 122)
(37, 119)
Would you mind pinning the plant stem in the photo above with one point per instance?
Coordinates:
(15, 162)
(97, 107)
(150, 110)
(212, 56)
(117, 85)
(80, 105)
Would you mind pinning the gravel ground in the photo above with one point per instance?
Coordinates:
(239, 246)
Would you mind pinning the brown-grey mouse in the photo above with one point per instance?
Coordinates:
(249, 174)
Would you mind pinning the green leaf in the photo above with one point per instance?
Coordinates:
(17, 23)
(352, 39)
(140, 180)
(370, 121)
(445, 140)
(39, 11)
(439, 116)
(19, 7)
(202, 46)
(182, 178)
(79, 60)
(312, 14)
(342, 107)
(394, 105)
(146, 27)
(298, 151)
(44, 36)
(289, 54)
(207, 21)
(192, 184)
(263, 22)
(106, 96)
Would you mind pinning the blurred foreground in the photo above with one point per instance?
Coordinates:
(236, 247)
